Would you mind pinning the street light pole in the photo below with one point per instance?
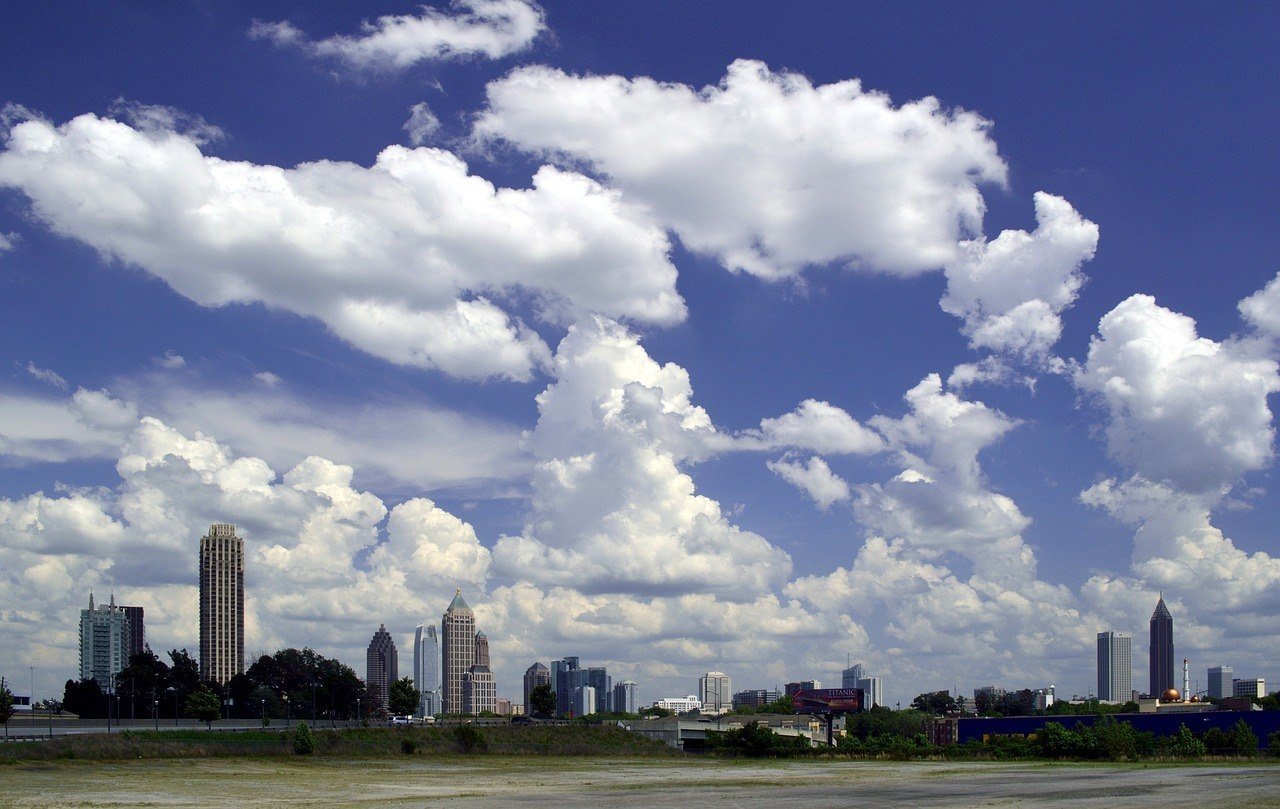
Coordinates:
(264, 712)
(358, 714)
(155, 711)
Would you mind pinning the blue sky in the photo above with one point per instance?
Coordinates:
(629, 330)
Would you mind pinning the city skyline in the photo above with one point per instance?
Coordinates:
(680, 337)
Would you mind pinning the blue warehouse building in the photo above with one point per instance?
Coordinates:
(983, 728)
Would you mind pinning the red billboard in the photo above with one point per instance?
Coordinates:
(828, 700)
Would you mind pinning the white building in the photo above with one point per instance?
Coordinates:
(104, 642)
(715, 689)
(1252, 688)
(872, 691)
(584, 701)
(679, 704)
(426, 669)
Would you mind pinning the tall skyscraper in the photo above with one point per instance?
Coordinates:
(104, 642)
(1161, 651)
(715, 689)
(624, 697)
(1220, 681)
(584, 701)
(563, 678)
(1115, 667)
(872, 691)
(468, 686)
(381, 668)
(457, 651)
(426, 669)
(534, 676)
(137, 631)
(221, 603)
(850, 676)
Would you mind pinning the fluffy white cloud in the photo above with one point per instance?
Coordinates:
(814, 478)
(469, 28)
(8, 241)
(815, 426)
(1010, 291)
(422, 124)
(612, 511)
(765, 171)
(1181, 408)
(1262, 309)
(406, 259)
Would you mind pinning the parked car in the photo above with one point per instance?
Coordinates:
(401, 720)
(521, 720)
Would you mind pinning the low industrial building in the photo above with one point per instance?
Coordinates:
(963, 729)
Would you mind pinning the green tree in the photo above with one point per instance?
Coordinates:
(1183, 744)
(6, 705)
(403, 697)
(85, 699)
(1242, 739)
(542, 701)
(656, 712)
(935, 703)
(304, 741)
(204, 705)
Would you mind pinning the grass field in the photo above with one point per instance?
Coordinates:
(538, 782)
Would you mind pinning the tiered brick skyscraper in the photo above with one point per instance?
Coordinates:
(1161, 651)
(221, 603)
(381, 667)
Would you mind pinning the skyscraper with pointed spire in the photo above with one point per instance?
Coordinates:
(468, 686)
(381, 667)
(1161, 650)
(104, 642)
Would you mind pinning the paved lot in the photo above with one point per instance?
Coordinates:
(703, 784)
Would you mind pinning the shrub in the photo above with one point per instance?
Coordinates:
(469, 740)
(304, 741)
(408, 745)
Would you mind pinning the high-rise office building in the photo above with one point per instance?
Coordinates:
(104, 642)
(137, 631)
(1220, 681)
(1162, 674)
(1254, 688)
(584, 701)
(468, 685)
(624, 697)
(872, 691)
(381, 668)
(221, 604)
(715, 689)
(426, 669)
(598, 678)
(563, 678)
(850, 676)
(1115, 667)
(534, 676)
(457, 651)
(479, 692)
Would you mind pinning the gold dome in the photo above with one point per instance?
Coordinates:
(1194, 698)
(1170, 695)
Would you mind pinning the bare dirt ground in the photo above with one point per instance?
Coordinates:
(703, 784)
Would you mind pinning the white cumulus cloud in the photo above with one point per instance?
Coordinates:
(765, 171)
(407, 259)
(467, 29)
(813, 477)
(1011, 290)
